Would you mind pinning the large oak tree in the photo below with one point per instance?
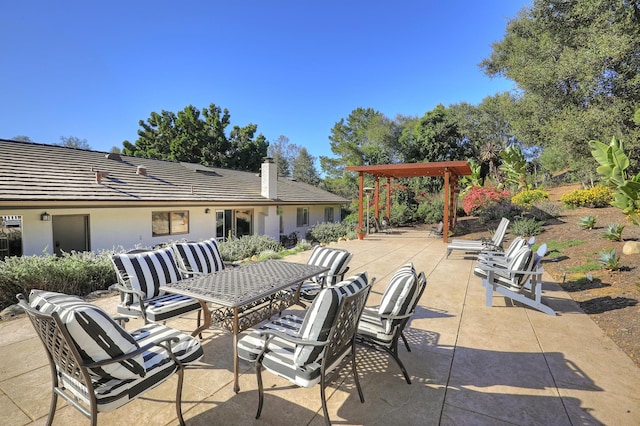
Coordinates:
(577, 67)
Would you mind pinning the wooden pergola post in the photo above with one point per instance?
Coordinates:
(376, 198)
(447, 205)
(389, 201)
(360, 196)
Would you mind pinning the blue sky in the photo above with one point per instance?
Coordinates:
(295, 68)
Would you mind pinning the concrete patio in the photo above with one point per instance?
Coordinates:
(470, 364)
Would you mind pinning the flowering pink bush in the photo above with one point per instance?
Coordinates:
(480, 197)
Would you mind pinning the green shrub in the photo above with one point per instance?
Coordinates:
(430, 211)
(526, 227)
(596, 196)
(72, 273)
(400, 213)
(587, 222)
(528, 197)
(327, 232)
(236, 249)
(614, 232)
(270, 254)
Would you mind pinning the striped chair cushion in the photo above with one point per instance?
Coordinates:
(282, 363)
(161, 308)
(203, 257)
(353, 284)
(147, 271)
(520, 261)
(96, 335)
(394, 299)
(337, 261)
(316, 325)
(250, 346)
(372, 325)
(111, 393)
(399, 296)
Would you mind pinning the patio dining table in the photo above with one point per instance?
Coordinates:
(245, 296)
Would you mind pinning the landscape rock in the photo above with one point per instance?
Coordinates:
(631, 247)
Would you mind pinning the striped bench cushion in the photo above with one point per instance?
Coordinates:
(96, 335)
(203, 257)
(147, 271)
(158, 365)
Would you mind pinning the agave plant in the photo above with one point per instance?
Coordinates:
(613, 232)
(587, 222)
(609, 260)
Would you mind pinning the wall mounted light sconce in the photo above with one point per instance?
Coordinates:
(207, 211)
(45, 217)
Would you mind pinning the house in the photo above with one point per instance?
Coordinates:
(57, 199)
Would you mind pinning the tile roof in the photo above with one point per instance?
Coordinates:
(36, 174)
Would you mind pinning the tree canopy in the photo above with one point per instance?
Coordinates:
(577, 68)
(199, 137)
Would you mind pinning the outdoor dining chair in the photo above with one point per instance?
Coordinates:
(140, 275)
(311, 350)
(198, 258)
(382, 326)
(337, 260)
(96, 365)
(437, 231)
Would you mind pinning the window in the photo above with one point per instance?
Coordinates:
(10, 236)
(233, 223)
(244, 222)
(328, 214)
(302, 217)
(169, 223)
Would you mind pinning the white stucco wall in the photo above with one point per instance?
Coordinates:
(110, 227)
(131, 227)
(316, 215)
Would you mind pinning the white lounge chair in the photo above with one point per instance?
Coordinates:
(521, 280)
(476, 246)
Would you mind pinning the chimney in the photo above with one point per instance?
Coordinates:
(269, 179)
(100, 175)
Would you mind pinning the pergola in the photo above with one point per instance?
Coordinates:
(449, 170)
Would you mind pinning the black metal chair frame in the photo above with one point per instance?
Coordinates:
(64, 357)
(341, 338)
(403, 320)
